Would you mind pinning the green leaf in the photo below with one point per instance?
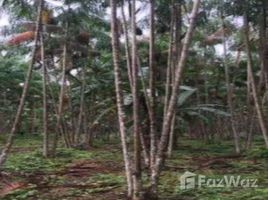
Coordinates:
(215, 111)
(185, 95)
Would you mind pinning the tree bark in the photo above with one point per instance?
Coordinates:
(60, 106)
(160, 158)
(71, 109)
(152, 88)
(170, 60)
(229, 93)
(263, 83)
(137, 185)
(172, 139)
(127, 47)
(45, 111)
(175, 56)
(253, 84)
(26, 86)
(82, 106)
(119, 97)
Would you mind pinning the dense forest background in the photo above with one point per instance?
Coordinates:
(161, 87)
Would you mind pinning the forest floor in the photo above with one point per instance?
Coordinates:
(98, 173)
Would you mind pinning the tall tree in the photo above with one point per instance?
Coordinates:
(59, 123)
(119, 96)
(136, 119)
(251, 80)
(177, 26)
(82, 105)
(153, 139)
(45, 107)
(26, 86)
(229, 90)
(162, 147)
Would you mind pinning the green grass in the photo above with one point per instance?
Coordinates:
(190, 150)
(254, 165)
(30, 162)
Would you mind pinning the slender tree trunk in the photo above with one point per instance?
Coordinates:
(170, 69)
(229, 93)
(250, 134)
(55, 109)
(253, 85)
(32, 118)
(60, 106)
(153, 139)
(137, 185)
(146, 151)
(175, 56)
(87, 138)
(130, 77)
(82, 105)
(172, 102)
(45, 113)
(10, 140)
(170, 60)
(72, 135)
(171, 137)
(65, 134)
(263, 83)
(119, 97)
(144, 148)
(127, 46)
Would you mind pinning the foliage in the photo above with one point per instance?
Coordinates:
(31, 162)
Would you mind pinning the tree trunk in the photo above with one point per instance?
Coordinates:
(45, 113)
(250, 134)
(229, 94)
(82, 105)
(127, 47)
(253, 85)
(175, 56)
(32, 118)
(72, 135)
(137, 185)
(171, 137)
(119, 97)
(59, 126)
(263, 83)
(169, 61)
(160, 158)
(153, 139)
(10, 140)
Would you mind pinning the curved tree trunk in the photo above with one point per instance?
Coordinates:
(10, 140)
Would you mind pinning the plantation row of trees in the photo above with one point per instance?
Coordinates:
(71, 69)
